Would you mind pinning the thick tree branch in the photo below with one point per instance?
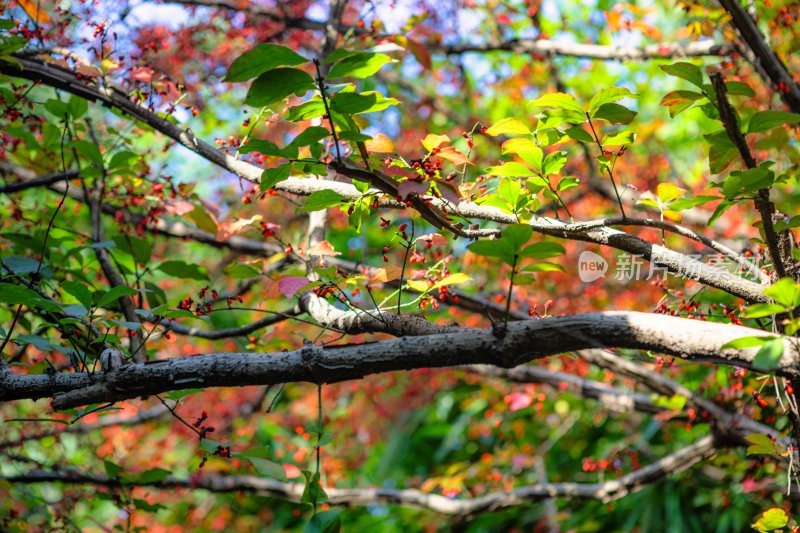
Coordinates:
(522, 342)
(765, 207)
(765, 60)
(549, 48)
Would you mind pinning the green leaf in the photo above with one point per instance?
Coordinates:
(115, 294)
(359, 65)
(718, 212)
(747, 342)
(356, 103)
(306, 111)
(14, 294)
(765, 120)
(510, 169)
(269, 148)
(769, 355)
(785, 291)
(313, 492)
(154, 475)
(542, 250)
(77, 107)
(179, 269)
(212, 446)
(353, 136)
(322, 200)
(686, 71)
(20, 265)
(516, 235)
(268, 468)
(241, 271)
(623, 138)
(112, 469)
(739, 88)
(277, 84)
(509, 190)
(609, 95)
(140, 249)
(686, 203)
(310, 135)
(264, 57)
(762, 310)
(614, 113)
(567, 182)
(559, 101)
(544, 266)
(57, 108)
(324, 522)
(526, 149)
(554, 162)
(720, 157)
(771, 519)
(272, 176)
(496, 248)
(88, 150)
(508, 126)
(577, 133)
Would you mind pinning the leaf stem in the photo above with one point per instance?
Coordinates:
(511, 288)
(321, 85)
(608, 168)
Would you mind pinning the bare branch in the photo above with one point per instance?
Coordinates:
(40, 181)
(549, 48)
(606, 491)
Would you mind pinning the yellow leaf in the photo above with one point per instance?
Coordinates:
(417, 285)
(380, 144)
(109, 65)
(453, 279)
(771, 519)
(674, 216)
(432, 141)
(508, 126)
(667, 192)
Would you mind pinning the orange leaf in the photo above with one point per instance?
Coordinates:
(229, 228)
(380, 144)
(31, 8)
(433, 238)
(382, 275)
(420, 53)
(323, 248)
(454, 156)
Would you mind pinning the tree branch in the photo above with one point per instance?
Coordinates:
(606, 491)
(765, 207)
(765, 60)
(523, 341)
